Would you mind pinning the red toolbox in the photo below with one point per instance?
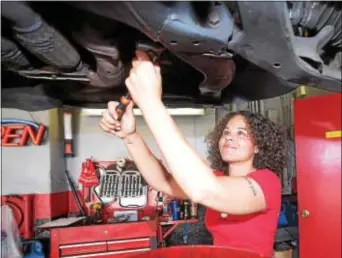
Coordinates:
(107, 240)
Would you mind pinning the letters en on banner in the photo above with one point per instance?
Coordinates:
(19, 133)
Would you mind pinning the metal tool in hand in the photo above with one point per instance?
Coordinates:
(154, 52)
(124, 101)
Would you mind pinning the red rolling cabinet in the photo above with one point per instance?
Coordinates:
(107, 240)
(318, 158)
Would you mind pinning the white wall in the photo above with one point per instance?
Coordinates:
(40, 169)
(34, 169)
(91, 141)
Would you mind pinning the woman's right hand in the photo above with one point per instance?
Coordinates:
(122, 128)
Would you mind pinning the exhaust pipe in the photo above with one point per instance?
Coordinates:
(42, 40)
(12, 56)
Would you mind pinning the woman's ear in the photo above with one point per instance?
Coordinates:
(256, 149)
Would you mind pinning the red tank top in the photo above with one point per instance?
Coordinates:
(253, 232)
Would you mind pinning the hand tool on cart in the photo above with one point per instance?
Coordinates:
(74, 192)
(96, 208)
(154, 51)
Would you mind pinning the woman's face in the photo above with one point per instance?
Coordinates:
(236, 144)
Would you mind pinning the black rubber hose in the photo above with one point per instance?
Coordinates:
(11, 55)
(38, 37)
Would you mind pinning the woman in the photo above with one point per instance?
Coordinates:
(242, 195)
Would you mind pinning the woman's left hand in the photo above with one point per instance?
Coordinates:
(144, 82)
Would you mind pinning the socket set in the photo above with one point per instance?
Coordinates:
(128, 186)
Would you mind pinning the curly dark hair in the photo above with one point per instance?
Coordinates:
(267, 135)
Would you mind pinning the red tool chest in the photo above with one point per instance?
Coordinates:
(318, 158)
(107, 240)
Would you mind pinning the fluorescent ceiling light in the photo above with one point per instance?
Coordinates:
(137, 112)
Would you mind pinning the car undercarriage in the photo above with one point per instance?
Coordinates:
(211, 53)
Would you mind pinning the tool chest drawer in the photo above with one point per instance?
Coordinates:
(128, 244)
(113, 254)
(83, 248)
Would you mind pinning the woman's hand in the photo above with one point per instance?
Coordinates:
(122, 128)
(144, 82)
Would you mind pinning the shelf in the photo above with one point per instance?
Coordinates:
(174, 222)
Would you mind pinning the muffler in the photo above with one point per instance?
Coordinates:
(42, 40)
(11, 55)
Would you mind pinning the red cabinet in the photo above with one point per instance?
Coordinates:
(22, 208)
(107, 240)
(318, 158)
